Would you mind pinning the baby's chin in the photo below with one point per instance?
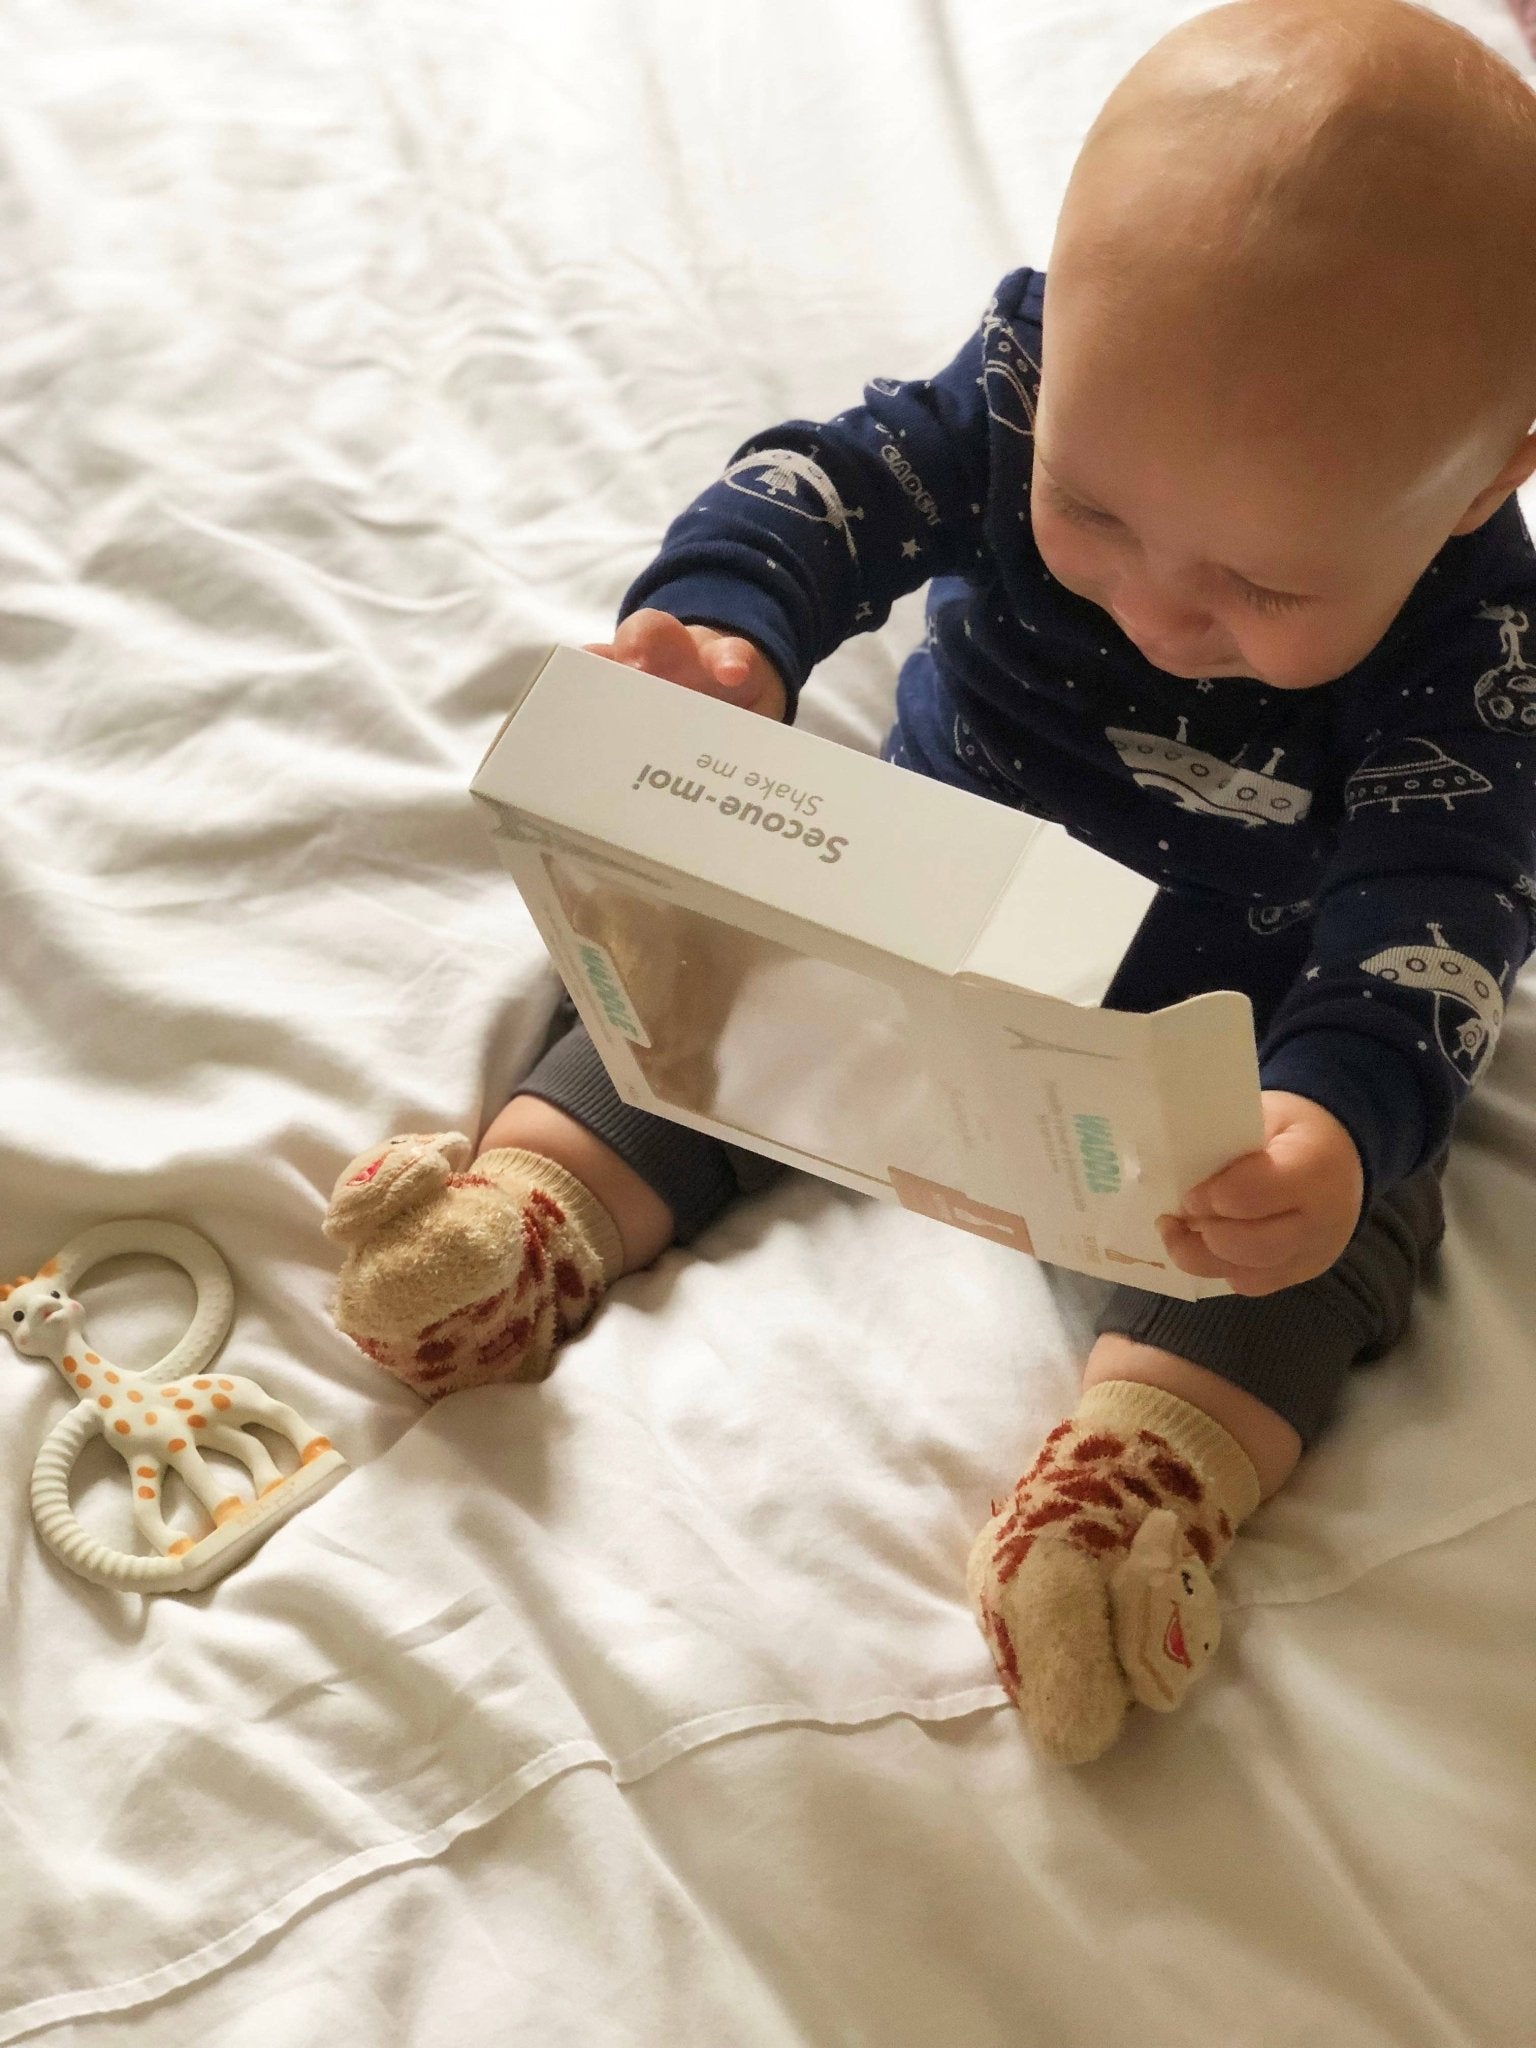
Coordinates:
(1210, 671)
(1236, 672)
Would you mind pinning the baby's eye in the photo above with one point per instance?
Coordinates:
(1189, 1584)
(1077, 514)
(1268, 600)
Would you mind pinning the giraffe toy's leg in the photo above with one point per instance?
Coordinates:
(146, 1474)
(252, 1453)
(249, 1404)
(194, 1474)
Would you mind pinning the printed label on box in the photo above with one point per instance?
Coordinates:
(607, 984)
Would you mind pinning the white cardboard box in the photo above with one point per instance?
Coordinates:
(862, 972)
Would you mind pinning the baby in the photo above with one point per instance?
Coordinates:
(1226, 576)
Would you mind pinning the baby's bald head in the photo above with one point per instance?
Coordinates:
(1302, 234)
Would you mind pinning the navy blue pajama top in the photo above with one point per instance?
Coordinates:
(1360, 857)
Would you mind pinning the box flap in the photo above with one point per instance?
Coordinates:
(1063, 922)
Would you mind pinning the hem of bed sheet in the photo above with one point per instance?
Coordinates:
(428, 1843)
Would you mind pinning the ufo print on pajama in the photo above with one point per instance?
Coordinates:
(1506, 696)
(1010, 377)
(1469, 1008)
(792, 481)
(1412, 771)
(1202, 782)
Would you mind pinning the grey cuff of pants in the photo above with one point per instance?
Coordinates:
(1291, 1350)
(692, 1174)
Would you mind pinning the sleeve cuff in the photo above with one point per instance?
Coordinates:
(1372, 1090)
(734, 607)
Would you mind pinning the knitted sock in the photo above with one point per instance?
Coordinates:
(456, 1278)
(1092, 1580)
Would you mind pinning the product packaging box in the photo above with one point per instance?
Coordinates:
(867, 974)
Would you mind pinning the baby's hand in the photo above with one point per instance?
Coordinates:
(719, 665)
(1273, 1218)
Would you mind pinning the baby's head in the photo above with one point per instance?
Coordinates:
(1290, 339)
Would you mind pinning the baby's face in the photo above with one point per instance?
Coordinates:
(1287, 339)
(1220, 551)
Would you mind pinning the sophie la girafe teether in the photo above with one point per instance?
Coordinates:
(163, 1419)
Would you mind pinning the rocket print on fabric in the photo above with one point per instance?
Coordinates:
(1469, 1008)
(1009, 374)
(784, 477)
(1201, 782)
(1412, 771)
(1265, 918)
(1506, 696)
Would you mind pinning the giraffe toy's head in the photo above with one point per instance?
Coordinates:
(38, 1315)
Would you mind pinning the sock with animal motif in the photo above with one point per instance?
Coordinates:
(463, 1274)
(1092, 1580)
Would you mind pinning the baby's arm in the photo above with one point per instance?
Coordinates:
(815, 529)
(1423, 920)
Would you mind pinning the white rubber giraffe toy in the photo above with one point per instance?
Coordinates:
(161, 1419)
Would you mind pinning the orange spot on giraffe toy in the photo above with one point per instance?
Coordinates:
(43, 1321)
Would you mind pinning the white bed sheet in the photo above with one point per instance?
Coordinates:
(348, 352)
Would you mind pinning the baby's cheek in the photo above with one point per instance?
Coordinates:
(1075, 556)
(1316, 646)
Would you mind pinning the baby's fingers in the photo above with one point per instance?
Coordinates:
(731, 661)
(1250, 1188)
(1275, 1241)
(662, 646)
(1187, 1249)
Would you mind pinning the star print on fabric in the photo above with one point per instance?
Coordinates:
(865, 611)
(910, 550)
(1313, 973)
(1503, 901)
(1205, 686)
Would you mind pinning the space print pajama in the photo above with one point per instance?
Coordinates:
(1359, 857)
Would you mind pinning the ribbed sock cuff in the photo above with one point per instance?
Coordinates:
(1126, 1405)
(591, 1218)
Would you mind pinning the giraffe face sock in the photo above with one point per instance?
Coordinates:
(462, 1275)
(1092, 1581)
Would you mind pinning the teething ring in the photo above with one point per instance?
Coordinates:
(159, 1420)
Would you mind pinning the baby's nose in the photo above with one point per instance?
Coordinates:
(1149, 614)
(1169, 634)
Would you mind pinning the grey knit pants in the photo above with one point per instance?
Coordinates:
(1291, 1349)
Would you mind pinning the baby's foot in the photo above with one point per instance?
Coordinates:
(1092, 1581)
(458, 1276)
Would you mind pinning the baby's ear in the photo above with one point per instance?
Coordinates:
(1520, 466)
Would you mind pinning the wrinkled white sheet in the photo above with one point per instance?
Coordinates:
(348, 350)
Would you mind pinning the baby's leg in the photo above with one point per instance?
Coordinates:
(1198, 1409)
(461, 1274)
(645, 1222)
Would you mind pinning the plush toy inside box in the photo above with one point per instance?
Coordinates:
(869, 975)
